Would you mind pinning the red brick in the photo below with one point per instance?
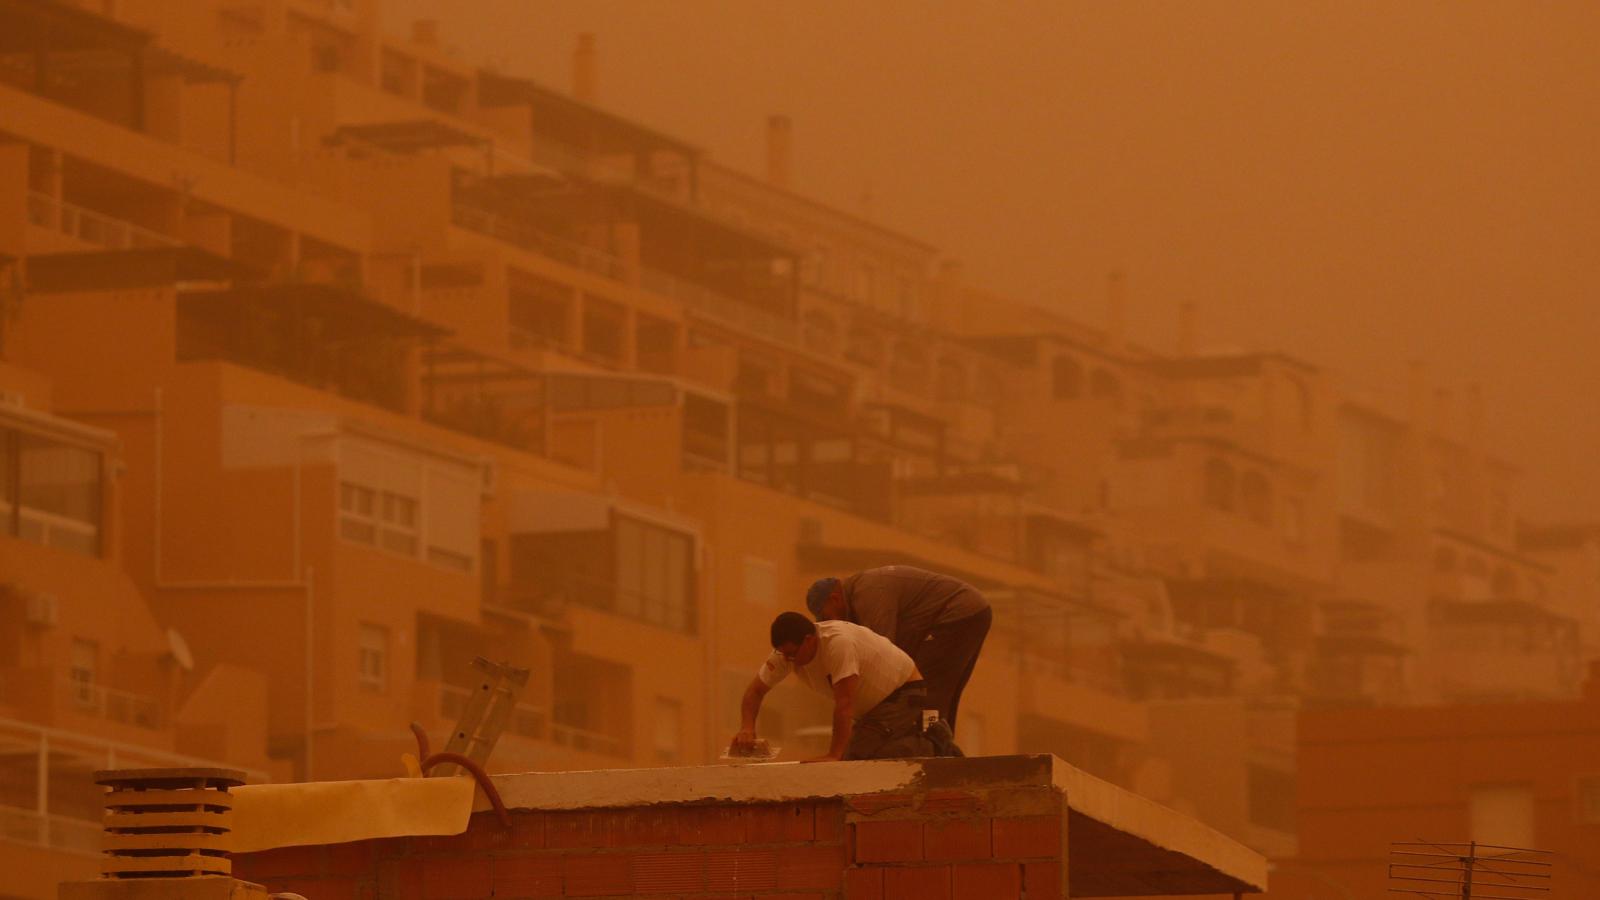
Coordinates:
(892, 841)
(668, 873)
(917, 883)
(659, 826)
(872, 804)
(707, 825)
(741, 870)
(863, 884)
(991, 881)
(811, 867)
(951, 802)
(526, 876)
(955, 839)
(486, 834)
(464, 878)
(400, 879)
(354, 858)
(597, 874)
(1029, 836)
(574, 830)
(329, 888)
(830, 823)
(1042, 880)
(782, 823)
(284, 861)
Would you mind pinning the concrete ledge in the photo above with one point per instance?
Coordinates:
(1117, 842)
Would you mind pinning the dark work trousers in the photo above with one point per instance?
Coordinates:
(946, 657)
(893, 728)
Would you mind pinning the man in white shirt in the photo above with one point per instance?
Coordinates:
(878, 694)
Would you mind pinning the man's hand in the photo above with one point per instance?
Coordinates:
(743, 742)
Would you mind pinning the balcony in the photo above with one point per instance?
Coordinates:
(323, 336)
(520, 234)
(90, 227)
(43, 695)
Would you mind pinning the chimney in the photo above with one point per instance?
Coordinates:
(780, 150)
(1187, 329)
(1116, 308)
(425, 32)
(585, 77)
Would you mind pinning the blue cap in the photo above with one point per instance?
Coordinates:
(817, 595)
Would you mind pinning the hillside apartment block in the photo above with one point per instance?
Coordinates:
(330, 361)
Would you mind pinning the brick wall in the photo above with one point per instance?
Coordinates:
(927, 845)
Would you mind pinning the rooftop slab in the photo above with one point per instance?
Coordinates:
(1119, 843)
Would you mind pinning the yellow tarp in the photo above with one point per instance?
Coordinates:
(333, 812)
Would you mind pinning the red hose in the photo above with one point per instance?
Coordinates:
(422, 742)
(481, 776)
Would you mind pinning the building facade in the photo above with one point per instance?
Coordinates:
(332, 361)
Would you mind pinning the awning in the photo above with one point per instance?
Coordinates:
(574, 122)
(111, 270)
(346, 312)
(406, 136)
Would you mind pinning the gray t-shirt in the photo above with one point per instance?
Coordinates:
(903, 602)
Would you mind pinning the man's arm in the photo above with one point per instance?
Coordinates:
(749, 708)
(844, 717)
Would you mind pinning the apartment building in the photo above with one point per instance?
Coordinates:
(367, 361)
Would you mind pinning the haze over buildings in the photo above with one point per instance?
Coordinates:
(331, 360)
(1359, 183)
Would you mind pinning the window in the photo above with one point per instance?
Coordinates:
(653, 573)
(1588, 800)
(1271, 797)
(50, 492)
(372, 667)
(1501, 814)
(82, 671)
(409, 504)
(539, 310)
(603, 327)
(669, 730)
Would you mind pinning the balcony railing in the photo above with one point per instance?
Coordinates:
(725, 309)
(586, 741)
(27, 826)
(530, 238)
(113, 705)
(92, 227)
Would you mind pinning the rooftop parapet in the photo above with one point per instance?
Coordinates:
(992, 827)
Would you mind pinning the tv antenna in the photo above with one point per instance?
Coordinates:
(1470, 871)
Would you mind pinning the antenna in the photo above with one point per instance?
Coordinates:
(1470, 871)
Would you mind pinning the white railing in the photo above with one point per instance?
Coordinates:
(27, 826)
(530, 238)
(92, 227)
(740, 316)
(587, 741)
(113, 705)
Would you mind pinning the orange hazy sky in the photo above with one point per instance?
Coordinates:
(1357, 183)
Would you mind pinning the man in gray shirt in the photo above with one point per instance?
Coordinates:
(939, 621)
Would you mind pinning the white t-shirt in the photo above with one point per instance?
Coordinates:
(845, 649)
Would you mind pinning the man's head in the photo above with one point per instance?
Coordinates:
(825, 599)
(795, 636)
